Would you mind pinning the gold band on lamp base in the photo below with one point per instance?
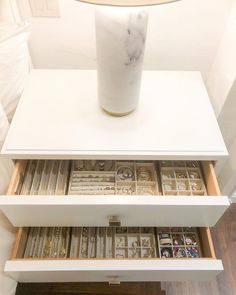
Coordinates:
(128, 2)
(117, 114)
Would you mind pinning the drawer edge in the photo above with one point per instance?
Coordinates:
(105, 271)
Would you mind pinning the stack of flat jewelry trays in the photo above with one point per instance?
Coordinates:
(108, 178)
(113, 177)
(112, 242)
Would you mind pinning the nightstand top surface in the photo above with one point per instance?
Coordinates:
(58, 116)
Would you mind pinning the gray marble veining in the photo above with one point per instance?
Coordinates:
(120, 35)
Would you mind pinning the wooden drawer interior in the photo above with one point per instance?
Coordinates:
(207, 169)
(205, 243)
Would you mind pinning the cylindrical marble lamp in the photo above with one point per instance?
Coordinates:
(121, 27)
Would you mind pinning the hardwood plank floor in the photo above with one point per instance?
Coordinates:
(224, 237)
(90, 288)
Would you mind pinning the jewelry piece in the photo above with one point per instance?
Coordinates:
(135, 253)
(120, 242)
(167, 174)
(194, 174)
(178, 240)
(180, 174)
(48, 244)
(190, 240)
(84, 246)
(179, 252)
(135, 244)
(62, 252)
(146, 242)
(109, 246)
(98, 165)
(148, 253)
(168, 185)
(144, 174)
(104, 165)
(165, 239)
(125, 173)
(166, 252)
(92, 242)
(79, 165)
(193, 164)
(125, 190)
(146, 191)
(196, 186)
(55, 242)
(182, 186)
(47, 248)
(193, 252)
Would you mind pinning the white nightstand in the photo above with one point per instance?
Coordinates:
(58, 118)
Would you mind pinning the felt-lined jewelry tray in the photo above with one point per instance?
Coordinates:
(112, 242)
(81, 177)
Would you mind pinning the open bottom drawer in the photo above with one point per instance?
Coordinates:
(114, 270)
(129, 210)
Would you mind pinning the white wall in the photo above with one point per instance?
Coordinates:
(221, 85)
(223, 71)
(181, 36)
(186, 35)
(5, 11)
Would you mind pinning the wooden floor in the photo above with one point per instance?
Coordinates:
(89, 289)
(224, 237)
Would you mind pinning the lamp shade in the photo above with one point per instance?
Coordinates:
(127, 2)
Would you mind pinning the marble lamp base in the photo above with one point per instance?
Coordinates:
(120, 40)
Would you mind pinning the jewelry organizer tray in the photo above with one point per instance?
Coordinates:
(178, 242)
(181, 178)
(45, 177)
(112, 242)
(96, 177)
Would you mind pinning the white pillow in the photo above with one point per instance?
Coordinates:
(14, 64)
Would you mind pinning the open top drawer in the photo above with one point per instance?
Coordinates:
(95, 268)
(69, 201)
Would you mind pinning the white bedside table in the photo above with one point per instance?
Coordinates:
(58, 118)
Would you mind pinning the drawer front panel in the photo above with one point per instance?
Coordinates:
(131, 211)
(113, 270)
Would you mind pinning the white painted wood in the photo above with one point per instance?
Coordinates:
(233, 198)
(96, 210)
(106, 270)
(58, 117)
(44, 8)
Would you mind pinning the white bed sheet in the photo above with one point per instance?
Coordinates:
(14, 69)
